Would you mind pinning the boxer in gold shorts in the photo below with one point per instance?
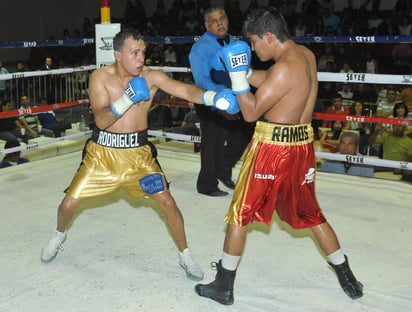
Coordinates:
(118, 155)
(123, 161)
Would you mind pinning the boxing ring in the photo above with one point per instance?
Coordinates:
(119, 255)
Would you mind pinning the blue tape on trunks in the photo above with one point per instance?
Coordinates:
(152, 184)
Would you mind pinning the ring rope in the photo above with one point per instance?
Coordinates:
(367, 119)
(35, 73)
(36, 145)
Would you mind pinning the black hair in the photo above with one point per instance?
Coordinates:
(352, 110)
(11, 143)
(336, 133)
(266, 19)
(397, 105)
(211, 10)
(120, 38)
(349, 134)
(4, 102)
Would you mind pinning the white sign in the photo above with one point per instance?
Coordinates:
(104, 43)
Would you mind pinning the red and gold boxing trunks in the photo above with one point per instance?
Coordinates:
(278, 173)
(118, 160)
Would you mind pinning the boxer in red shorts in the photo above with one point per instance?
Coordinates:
(259, 176)
(278, 173)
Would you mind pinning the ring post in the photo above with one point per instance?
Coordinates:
(104, 36)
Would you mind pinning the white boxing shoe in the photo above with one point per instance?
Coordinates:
(55, 243)
(192, 269)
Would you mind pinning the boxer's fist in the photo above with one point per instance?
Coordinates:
(135, 91)
(235, 58)
(223, 100)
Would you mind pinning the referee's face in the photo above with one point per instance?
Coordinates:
(217, 23)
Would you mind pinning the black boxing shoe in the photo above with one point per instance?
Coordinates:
(215, 193)
(347, 280)
(221, 289)
(227, 182)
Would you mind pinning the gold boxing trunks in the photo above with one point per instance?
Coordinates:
(278, 173)
(118, 160)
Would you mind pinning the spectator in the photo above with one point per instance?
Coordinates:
(336, 109)
(346, 26)
(310, 11)
(406, 96)
(348, 145)
(189, 124)
(388, 27)
(395, 144)
(347, 95)
(31, 121)
(331, 22)
(156, 57)
(317, 28)
(3, 83)
(401, 111)
(48, 82)
(87, 28)
(170, 56)
(363, 128)
(21, 83)
(346, 68)
(326, 92)
(373, 22)
(14, 158)
(300, 28)
(371, 64)
(401, 55)
(328, 4)
(385, 107)
(330, 139)
(10, 128)
(327, 56)
(359, 12)
(405, 26)
(365, 93)
(49, 121)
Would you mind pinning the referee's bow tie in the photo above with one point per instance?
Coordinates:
(222, 41)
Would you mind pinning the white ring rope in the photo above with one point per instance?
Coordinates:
(322, 76)
(36, 145)
(36, 73)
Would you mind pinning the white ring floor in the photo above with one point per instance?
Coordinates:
(119, 256)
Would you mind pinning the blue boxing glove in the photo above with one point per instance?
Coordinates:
(223, 100)
(235, 58)
(135, 91)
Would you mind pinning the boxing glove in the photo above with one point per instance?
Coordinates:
(235, 58)
(135, 91)
(223, 100)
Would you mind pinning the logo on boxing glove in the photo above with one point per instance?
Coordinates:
(129, 91)
(239, 60)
